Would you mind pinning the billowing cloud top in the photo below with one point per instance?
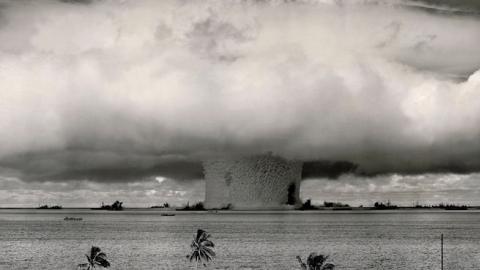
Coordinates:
(125, 89)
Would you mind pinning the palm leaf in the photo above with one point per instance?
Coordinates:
(315, 262)
(97, 258)
(202, 248)
(208, 243)
(194, 255)
(200, 235)
(302, 264)
(209, 251)
(328, 266)
(93, 251)
(102, 262)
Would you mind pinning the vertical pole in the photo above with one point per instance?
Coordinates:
(441, 242)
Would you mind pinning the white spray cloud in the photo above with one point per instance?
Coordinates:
(387, 86)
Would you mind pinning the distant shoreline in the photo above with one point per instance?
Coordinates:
(321, 209)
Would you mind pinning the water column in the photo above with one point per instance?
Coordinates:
(254, 182)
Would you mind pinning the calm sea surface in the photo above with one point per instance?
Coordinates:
(41, 239)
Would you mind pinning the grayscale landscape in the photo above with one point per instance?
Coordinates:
(147, 240)
(239, 134)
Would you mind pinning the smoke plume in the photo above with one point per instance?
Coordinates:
(124, 89)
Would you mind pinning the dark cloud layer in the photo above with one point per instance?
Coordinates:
(98, 166)
(461, 7)
(127, 90)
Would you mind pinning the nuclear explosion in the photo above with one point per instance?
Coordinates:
(252, 182)
(261, 181)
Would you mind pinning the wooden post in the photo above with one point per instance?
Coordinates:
(441, 252)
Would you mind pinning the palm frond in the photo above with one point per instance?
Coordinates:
(315, 262)
(200, 235)
(89, 260)
(202, 248)
(101, 254)
(302, 264)
(208, 251)
(102, 262)
(328, 266)
(194, 255)
(93, 251)
(205, 255)
(208, 243)
(97, 257)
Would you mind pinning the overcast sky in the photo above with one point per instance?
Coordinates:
(105, 100)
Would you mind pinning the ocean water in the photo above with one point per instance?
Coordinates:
(41, 239)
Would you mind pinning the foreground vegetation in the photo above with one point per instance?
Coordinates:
(94, 259)
(50, 207)
(202, 254)
(202, 249)
(315, 262)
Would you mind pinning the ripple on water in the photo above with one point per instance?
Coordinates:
(146, 240)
